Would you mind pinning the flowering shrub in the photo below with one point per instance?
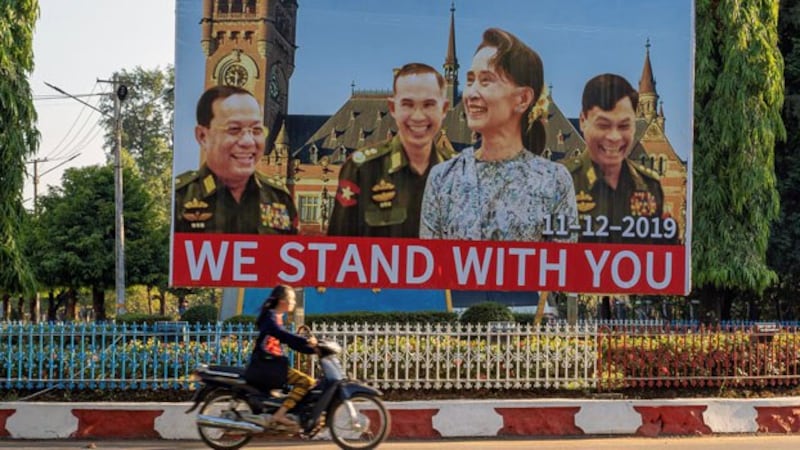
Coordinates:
(699, 358)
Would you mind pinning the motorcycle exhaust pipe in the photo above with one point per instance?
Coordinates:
(219, 422)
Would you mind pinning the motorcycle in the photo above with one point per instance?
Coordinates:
(232, 411)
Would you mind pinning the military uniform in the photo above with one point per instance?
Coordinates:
(378, 193)
(638, 194)
(204, 205)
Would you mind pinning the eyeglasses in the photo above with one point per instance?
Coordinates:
(236, 131)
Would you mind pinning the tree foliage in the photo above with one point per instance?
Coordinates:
(738, 100)
(74, 235)
(487, 312)
(19, 137)
(147, 116)
(785, 239)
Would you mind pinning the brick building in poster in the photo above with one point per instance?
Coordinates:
(251, 43)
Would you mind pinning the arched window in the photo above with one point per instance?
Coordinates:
(313, 154)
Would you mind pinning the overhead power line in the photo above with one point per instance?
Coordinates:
(57, 150)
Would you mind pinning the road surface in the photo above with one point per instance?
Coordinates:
(748, 442)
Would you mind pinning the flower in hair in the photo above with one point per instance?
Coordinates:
(540, 108)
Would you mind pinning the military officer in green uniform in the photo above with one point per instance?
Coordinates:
(613, 193)
(227, 194)
(380, 188)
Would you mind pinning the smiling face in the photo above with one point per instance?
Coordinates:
(419, 107)
(234, 140)
(609, 134)
(493, 101)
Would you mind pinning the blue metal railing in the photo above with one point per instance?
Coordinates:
(162, 356)
(111, 356)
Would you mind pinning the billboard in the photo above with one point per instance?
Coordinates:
(543, 146)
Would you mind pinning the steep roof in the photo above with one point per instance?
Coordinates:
(450, 59)
(647, 84)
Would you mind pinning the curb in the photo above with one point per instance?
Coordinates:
(433, 419)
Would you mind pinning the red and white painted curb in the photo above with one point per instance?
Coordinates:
(432, 419)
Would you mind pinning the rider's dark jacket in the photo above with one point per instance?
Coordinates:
(268, 366)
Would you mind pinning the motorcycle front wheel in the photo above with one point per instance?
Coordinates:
(225, 405)
(361, 422)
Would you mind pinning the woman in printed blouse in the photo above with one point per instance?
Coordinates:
(502, 190)
(271, 334)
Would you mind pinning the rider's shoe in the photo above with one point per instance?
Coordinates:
(264, 420)
(284, 424)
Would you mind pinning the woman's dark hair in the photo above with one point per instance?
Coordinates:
(278, 293)
(522, 65)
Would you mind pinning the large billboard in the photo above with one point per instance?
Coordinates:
(537, 146)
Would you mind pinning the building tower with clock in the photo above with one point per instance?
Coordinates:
(251, 44)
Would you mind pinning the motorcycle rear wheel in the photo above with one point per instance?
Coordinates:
(370, 427)
(227, 405)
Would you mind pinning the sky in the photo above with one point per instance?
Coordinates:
(75, 43)
(349, 41)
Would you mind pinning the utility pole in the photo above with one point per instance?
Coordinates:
(120, 91)
(36, 185)
(37, 176)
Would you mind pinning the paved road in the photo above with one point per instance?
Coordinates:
(760, 442)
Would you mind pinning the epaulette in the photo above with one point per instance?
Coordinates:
(185, 178)
(363, 155)
(573, 164)
(274, 181)
(646, 172)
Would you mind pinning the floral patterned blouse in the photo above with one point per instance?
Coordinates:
(506, 200)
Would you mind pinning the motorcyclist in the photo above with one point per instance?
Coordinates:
(268, 367)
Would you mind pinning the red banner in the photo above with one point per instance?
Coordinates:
(258, 261)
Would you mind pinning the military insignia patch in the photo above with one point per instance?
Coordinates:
(347, 193)
(359, 157)
(397, 162)
(585, 202)
(193, 212)
(209, 184)
(275, 215)
(591, 177)
(383, 193)
(643, 203)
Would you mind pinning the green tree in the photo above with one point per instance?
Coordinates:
(75, 231)
(785, 239)
(19, 137)
(738, 100)
(147, 117)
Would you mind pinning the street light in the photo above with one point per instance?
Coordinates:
(119, 95)
(119, 221)
(121, 92)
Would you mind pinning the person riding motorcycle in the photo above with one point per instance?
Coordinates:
(269, 368)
